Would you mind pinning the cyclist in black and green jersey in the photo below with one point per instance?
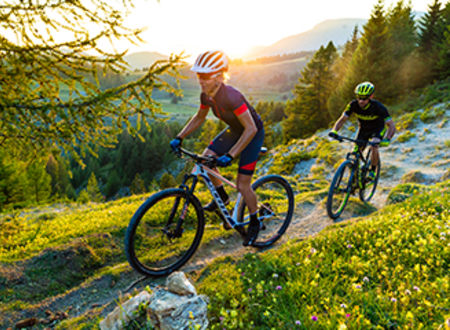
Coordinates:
(372, 116)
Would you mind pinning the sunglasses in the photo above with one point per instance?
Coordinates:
(207, 76)
(363, 98)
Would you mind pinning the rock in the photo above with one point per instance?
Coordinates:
(168, 310)
(124, 313)
(179, 284)
(27, 323)
(176, 307)
(415, 177)
(446, 175)
(303, 168)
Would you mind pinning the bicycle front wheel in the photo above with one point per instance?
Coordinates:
(164, 232)
(340, 190)
(275, 208)
(369, 185)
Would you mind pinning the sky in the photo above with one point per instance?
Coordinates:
(235, 26)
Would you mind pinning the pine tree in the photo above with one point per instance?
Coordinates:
(38, 181)
(113, 184)
(93, 190)
(403, 40)
(138, 185)
(444, 47)
(432, 28)
(341, 65)
(336, 102)
(14, 187)
(308, 111)
(7, 182)
(60, 181)
(52, 169)
(371, 60)
(51, 58)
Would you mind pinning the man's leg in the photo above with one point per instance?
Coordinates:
(375, 156)
(377, 135)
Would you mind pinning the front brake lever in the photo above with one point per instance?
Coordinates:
(210, 161)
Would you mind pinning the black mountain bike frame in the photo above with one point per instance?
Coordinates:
(355, 157)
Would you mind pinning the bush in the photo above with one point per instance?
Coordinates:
(414, 176)
(83, 197)
(167, 181)
(408, 135)
(285, 165)
(407, 121)
(432, 114)
(404, 191)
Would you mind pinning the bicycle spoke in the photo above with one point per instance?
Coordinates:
(370, 185)
(340, 190)
(275, 208)
(165, 235)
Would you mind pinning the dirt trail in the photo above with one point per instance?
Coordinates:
(427, 152)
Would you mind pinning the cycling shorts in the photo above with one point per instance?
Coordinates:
(366, 134)
(248, 157)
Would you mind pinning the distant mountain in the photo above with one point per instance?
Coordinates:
(143, 59)
(336, 30)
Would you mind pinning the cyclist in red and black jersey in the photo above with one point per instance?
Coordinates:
(243, 137)
(372, 116)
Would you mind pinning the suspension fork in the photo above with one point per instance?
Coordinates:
(189, 190)
(354, 176)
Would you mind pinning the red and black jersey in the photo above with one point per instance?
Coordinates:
(227, 105)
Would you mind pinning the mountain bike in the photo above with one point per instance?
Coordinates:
(167, 228)
(352, 175)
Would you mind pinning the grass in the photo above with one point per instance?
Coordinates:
(284, 158)
(388, 270)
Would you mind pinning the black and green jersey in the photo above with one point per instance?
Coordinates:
(373, 116)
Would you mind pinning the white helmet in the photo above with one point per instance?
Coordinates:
(210, 62)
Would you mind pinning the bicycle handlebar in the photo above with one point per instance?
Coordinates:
(208, 161)
(340, 138)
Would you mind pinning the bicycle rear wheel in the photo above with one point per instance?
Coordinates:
(340, 190)
(369, 186)
(164, 232)
(275, 208)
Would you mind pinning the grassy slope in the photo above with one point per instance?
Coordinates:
(388, 270)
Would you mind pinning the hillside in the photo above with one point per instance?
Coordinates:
(65, 265)
(140, 60)
(339, 31)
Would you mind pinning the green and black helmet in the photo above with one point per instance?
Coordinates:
(364, 89)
